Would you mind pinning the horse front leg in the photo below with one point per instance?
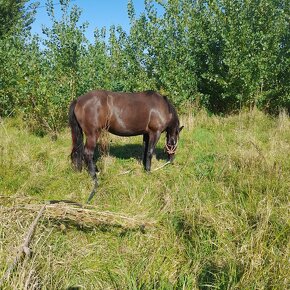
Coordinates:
(153, 139)
(145, 144)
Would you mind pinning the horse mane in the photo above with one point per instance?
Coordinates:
(171, 109)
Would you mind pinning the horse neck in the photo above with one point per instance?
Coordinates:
(173, 123)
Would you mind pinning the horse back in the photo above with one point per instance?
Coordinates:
(137, 113)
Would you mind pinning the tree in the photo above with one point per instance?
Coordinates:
(15, 24)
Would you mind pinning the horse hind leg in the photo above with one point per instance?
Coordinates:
(89, 159)
(89, 154)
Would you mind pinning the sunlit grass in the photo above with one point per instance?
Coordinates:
(221, 211)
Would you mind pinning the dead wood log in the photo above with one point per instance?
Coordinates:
(24, 249)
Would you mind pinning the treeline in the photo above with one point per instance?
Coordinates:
(222, 55)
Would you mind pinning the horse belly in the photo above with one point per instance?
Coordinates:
(124, 123)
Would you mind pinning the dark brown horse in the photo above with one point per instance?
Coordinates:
(124, 114)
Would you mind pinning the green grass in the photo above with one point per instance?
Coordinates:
(221, 211)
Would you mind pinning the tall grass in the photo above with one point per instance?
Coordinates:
(221, 211)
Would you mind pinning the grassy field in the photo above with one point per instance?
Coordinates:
(217, 219)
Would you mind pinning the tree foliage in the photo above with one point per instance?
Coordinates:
(222, 55)
(15, 18)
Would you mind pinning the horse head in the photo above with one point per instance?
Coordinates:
(172, 136)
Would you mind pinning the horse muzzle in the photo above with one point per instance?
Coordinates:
(170, 150)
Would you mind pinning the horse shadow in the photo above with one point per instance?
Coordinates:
(129, 151)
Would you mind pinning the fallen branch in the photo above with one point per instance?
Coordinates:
(90, 218)
(24, 249)
(86, 215)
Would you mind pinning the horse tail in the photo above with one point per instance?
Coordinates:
(77, 152)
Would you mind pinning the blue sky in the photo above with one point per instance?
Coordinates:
(98, 13)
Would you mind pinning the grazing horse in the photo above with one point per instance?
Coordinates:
(124, 114)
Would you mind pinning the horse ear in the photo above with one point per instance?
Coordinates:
(180, 128)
